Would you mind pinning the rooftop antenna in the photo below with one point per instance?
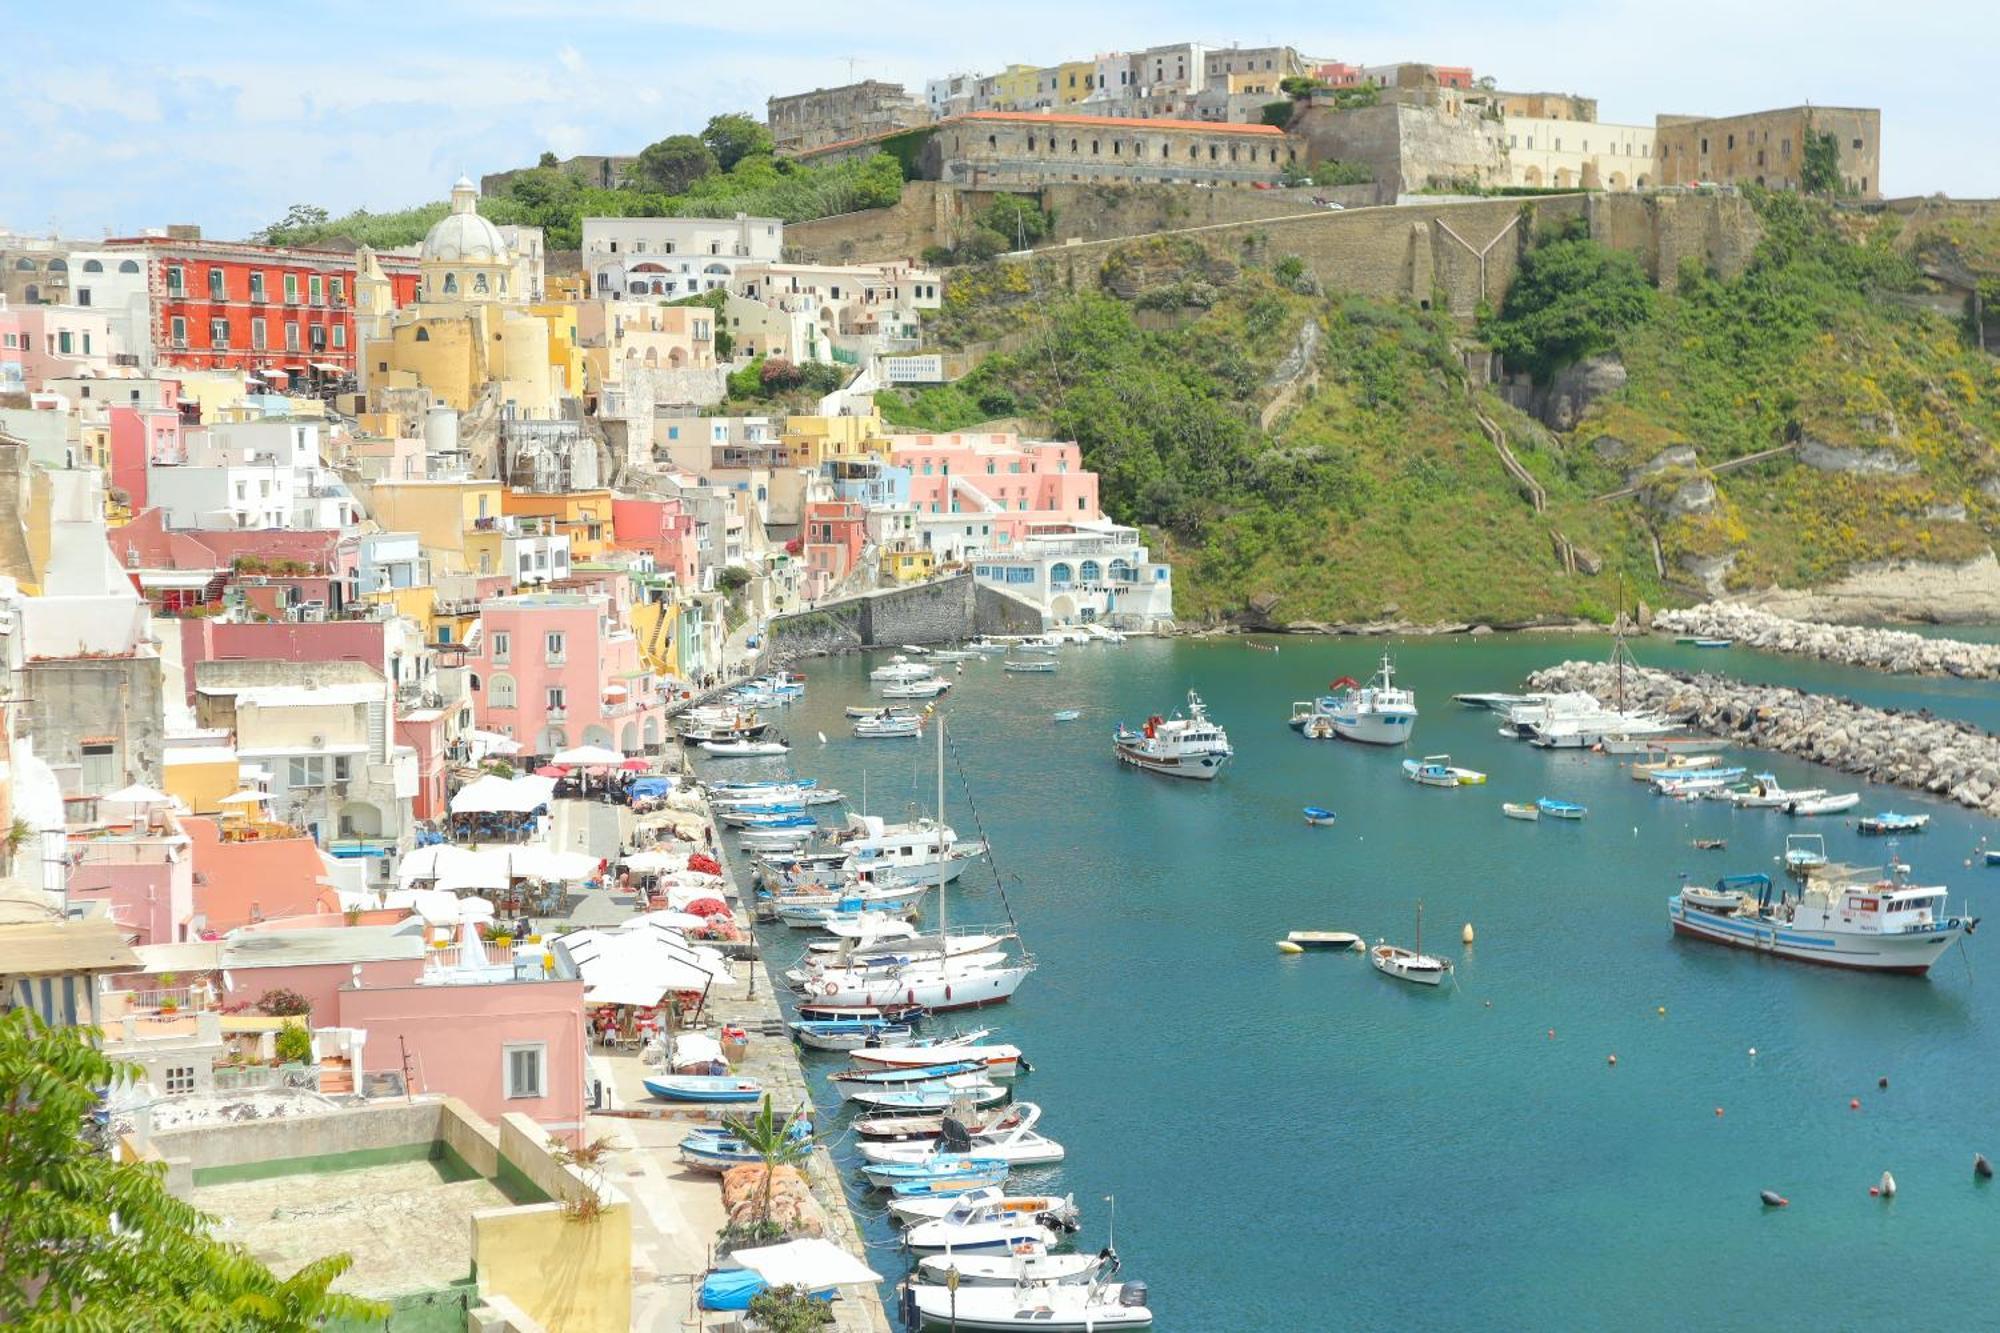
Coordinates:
(852, 61)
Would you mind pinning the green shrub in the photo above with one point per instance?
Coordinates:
(294, 1044)
(1571, 299)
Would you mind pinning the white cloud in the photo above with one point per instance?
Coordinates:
(570, 58)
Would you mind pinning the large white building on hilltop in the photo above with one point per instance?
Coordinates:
(1080, 573)
(675, 257)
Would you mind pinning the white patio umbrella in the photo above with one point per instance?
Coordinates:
(811, 1263)
(245, 798)
(673, 920)
(587, 756)
(653, 862)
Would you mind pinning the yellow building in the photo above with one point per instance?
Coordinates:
(811, 441)
(417, 603)
(200, 777)
(584, 516)
(1075, 80)
(447, 516)
(565, 348)
(908, 566)
(1016, 87)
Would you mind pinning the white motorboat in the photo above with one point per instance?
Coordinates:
(1655, 745)
(901, 668)
(1413, 965)
(975, 1224)
(1651, 767)
(865, 930)
(1764, 793)
(1874, 925)
(1589, 730)
(916, 689)
(1378, 713)
(1804, 853)
(1001, 1060)
(920, 852)
(1519, 810)
(1028, 1270)
(1091, 1308)
(889, 727)
(1497, 703)
(877, 710)
(1029, 665)
(1056, 1210)
(1823, 805)
(1436, 770)
(1179, 747)
(1017, 1145)
(745, 749)
(954, 654)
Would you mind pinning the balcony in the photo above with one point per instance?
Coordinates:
(557, 714)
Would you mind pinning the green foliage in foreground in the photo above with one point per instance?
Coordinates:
(65, 1264)
(1571, 299)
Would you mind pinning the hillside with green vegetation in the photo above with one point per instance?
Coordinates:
(1373, 492)
(727, 169)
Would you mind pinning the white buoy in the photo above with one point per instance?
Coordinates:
(822, 738)
(1466, 934)
(1888, 1186)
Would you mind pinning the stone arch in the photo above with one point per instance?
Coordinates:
(551, 739)
(1062, 607)
(1642, 183)
(628, 739)
(1618, 181)
(92, 266)
(500, 691)
(1060, 574)
(1564, 178)
(1532, 176)
(676, 358)
(1091, 572)
(128, 266)
(650, 733)
(361, 819)
(423, 335)
(595, 735)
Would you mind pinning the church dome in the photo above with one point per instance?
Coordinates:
(462, 236)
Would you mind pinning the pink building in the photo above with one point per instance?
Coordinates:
(13, 355)
(834, 533)
(208, 640)
(144, 875)
(662, 527)
(423, 730)
(253, 881)
(996, 474)
(62, 340)
(555, 670)
(141, 436)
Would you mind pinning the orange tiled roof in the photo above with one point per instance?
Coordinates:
(1126, 122)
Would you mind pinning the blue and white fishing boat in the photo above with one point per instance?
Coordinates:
(1178, 747)
(704, 1088)
(1436, 770)
(973, 1090)
(850, 1034)
(1067, 714)
(1884, 925)
(1555, 809)
(977, 1224)
(961, 1171)
(1319, 816)
(1378, 713)
(1890, 822)
(710, 1149)
(856, 1080)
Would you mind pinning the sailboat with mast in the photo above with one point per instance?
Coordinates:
(1570, 722)
(1412, 965)
(950, 978)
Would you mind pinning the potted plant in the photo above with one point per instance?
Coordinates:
(293, 1045)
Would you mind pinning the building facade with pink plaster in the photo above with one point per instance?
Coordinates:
(663, 528)
(144, 876)
(141, 436)
(59, 340)
(833, 534)
(996, 473)
(555, 670)
(13, 355)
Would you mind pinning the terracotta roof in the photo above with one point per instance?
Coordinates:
(1125, 122)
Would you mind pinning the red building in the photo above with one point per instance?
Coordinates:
(835, 532)
(270, 310)
(663, 527)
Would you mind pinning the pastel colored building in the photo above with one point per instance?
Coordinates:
(59, 340)
(142, 873)
(672, 257)
(242, 879)
(664, 529)
(1082, 572)
(13, 351)
(553, 670)
(444, 512)
(834, 533)
(141, 436)
(583, 516)
(996, 474)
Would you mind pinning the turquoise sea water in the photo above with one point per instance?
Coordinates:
(1300, 1143)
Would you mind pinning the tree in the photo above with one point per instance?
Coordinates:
(547, 159)
(734, 137)
(789, 1310)
(1819, 172)
(294, 1045)
(1016, 219)
(777, 375)
(779, 1142)
(674, 163)
(1335, 172)
(1571, 299)
(298, 218)
(91, 1243)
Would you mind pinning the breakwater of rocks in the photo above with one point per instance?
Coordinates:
(1882, 745)
(1853, 645)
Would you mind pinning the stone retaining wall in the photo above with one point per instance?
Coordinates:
(948, 610)
(1954, 759)
(1853, 645)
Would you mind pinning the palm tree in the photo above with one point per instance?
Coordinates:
(775, 1140)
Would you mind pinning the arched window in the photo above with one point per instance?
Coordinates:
(472, 679)
(25, 265)
(423, 335)
(1121, 571)
(58, 266)
(128, 266)
(450, 284)
(1060, 574)
(479, 287)
(92, 266)
(1092, 572)
(500, 692)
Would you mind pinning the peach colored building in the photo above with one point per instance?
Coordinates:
(144, 875)
(256, 880)
(976, 492)
(556, 669)
(662, 527)
(835, 531)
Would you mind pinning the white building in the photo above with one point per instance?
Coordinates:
(1083, 572)
(113, 283)
(1579, 154)
(862, 309)
(674, 257)
(251, 474)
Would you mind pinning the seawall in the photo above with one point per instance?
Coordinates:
(1953, 759)
(947, 610)
(1853, 645)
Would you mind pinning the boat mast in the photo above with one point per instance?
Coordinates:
(944, 910)
(1420, 927)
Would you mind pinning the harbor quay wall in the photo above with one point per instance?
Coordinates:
(947, 610)
(1906, 749)
(1854, 645)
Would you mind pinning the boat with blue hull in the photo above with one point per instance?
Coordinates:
(1880, 925)
(704, 1088)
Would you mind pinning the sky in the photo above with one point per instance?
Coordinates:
(225, 114)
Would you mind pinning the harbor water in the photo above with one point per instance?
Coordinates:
(1290, 1137)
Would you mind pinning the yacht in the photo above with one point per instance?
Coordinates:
(901, 670)
(1378, 713)
(1180, 747)
(1873, 925)
(920, 852)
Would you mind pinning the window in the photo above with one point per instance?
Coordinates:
(291, 337)
(305, 770)
(257, 334)
(178, 1080)
(178, 333)
(63, 342)
(340, 335)
(318, 291)
(256, 286)
(176, 280)
(1857, 145)
(339, 290)
(451, 284)
(291, 289)
(526, 1070)
(503, 643)
(500, 692)
(218, 333)
(554, 644)
(100, 766)
(218, 285)
(128, 266)
(558, 698)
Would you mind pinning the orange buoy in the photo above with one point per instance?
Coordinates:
(1854, 1103)
(1718, 1111)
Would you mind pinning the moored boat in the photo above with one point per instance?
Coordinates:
(1180, 747)
(1519, 810)
(1412, 965)
(1555, 809)
(1029, 1270)
(1029, 665)
(1313, 940)
(703, 1088)
(1880, 925)
(1378, 713)
(1823, 805)
(1319, 816)
(1804, 853)
(1066, 714)
(745, 749)
(1890, 822)
(850, 1034)
(1437, 770)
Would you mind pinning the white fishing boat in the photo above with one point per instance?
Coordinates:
(916, 689)
(1179, 747)
(1029, 665)
(1092, 1308)
(921, 851)
(1378, 713)
(901, 669)
(1017, 1271)
(809, 907)
(745, 749)
(1019, 1145)
(1873, 925)
(1647, 770)
(975, 1225)
(1436, 770)
(1518, 810)
(1001, 1060)
(1804, 853)
(889, 727)
(1823, 805)
(1412, 965)
(1056, 1210)
(1765, 793)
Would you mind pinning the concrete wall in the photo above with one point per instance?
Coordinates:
(571, 1273)
(999, 612)
(248, 1142)
(946, 611)
(1663, 230)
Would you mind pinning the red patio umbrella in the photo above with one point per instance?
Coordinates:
(551, 771)
(636, 765)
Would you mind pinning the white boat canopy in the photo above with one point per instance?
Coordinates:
(811, 1263)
